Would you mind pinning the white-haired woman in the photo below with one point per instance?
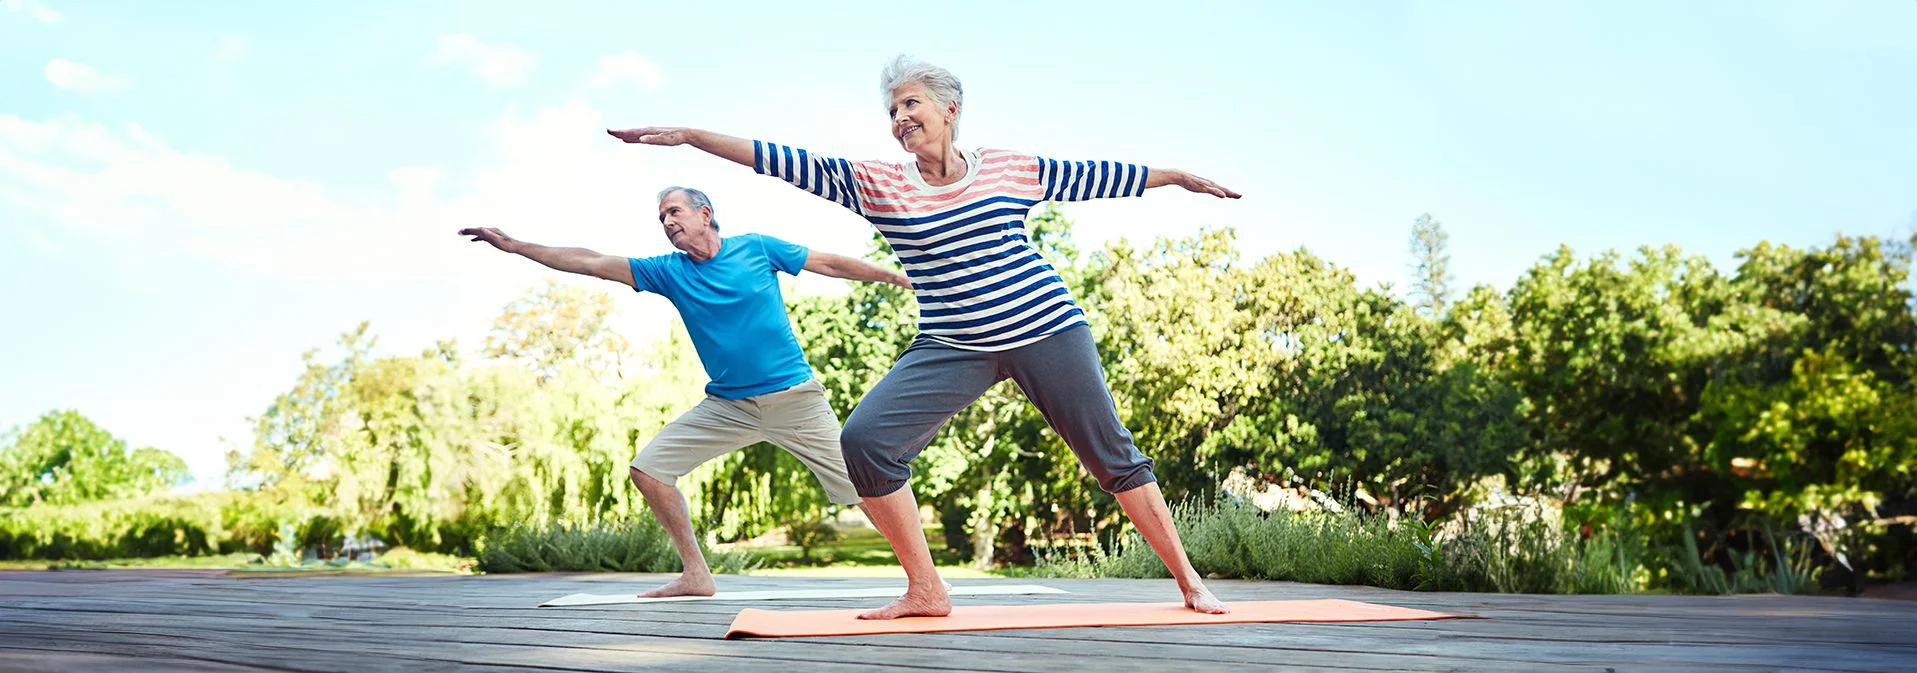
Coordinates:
(990, 308)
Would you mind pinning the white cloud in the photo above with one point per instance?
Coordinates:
(75, 76)
(34, 8)
(128, 197)
(234, 49)
(124, 195)
(555, 177)
(127, 187)
(629, 66)
(550, 175)
(498, 64)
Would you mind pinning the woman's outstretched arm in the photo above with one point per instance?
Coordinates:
(735, 150)
(1172, 176)
(1083, 180)
(829, 178)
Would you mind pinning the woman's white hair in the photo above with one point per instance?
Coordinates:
(943, 85)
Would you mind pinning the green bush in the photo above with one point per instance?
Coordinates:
(621, 546)
(1521, 549)
(1229, 539)
(193, 525)
(810, 534)
(1506, 550)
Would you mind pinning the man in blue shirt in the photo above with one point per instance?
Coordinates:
(761, 388)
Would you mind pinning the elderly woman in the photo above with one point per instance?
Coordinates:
(990, 308)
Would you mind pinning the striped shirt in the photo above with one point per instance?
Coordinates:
(980, 284)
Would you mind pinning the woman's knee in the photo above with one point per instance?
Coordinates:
(1122, 478)
(869, 462)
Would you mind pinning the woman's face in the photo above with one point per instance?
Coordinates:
(918, 121)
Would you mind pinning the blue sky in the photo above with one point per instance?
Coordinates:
(192, 196)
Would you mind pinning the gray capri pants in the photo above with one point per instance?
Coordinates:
(931, 382)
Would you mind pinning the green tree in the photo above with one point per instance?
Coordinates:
(1431, 267)
(429, 450)
(557, 326)
(63, 458)
(1365, 402)
(1724, 406)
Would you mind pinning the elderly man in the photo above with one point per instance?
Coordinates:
(761, 388)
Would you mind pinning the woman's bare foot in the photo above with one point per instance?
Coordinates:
(687, 584)
(915, 603)
(1199, 599)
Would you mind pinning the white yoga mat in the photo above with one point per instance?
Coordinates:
(788, 594)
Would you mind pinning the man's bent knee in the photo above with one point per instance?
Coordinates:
(643, 480)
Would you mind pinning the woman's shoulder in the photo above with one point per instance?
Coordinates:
(1002, 153)
(881, 166)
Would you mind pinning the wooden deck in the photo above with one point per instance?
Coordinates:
(176, 620)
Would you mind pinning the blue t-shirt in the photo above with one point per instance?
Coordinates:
(734, 312)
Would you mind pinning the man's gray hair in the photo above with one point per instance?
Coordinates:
(942, 83)
(695, 198)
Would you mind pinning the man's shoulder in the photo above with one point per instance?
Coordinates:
(661, 266)
(661, 260)
(757, 242)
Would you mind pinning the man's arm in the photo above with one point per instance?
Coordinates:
(570, 260)
(839, 266)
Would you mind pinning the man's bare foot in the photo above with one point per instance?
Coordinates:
(1199, 599)
(685, 585)
(915, 603)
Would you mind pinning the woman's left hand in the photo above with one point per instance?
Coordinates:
(655, 135)
(1203, 186)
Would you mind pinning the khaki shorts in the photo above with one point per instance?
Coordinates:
(797, 419)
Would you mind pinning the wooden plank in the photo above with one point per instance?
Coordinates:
(608, 655)
(913, 644)
(37, 660)
(455, 621)
(1881, 631)
(1503, 631)
(1222, 644)
(383, 640)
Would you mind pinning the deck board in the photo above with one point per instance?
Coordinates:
(180, 620)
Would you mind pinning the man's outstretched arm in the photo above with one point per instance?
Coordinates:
(840, 266)
(570, 260)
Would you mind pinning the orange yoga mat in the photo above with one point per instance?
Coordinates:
(788, 623)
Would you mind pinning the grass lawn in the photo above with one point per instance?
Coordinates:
(221, 561)
(947, 572)
(398, 561)
(859, 552)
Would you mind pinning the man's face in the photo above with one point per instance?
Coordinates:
(681, 221)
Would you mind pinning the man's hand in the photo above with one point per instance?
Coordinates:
(655, 135)
(570, 260)
(840, 266)
(498, 238)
